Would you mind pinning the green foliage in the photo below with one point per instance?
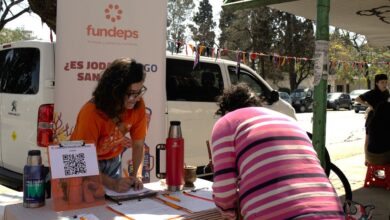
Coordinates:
(8, 35)
(353, 59)
(203, 30)
(269, 31)
(250, 30)
(178, 12)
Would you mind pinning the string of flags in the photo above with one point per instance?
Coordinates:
(278, 60)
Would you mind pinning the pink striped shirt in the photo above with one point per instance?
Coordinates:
(265, 162)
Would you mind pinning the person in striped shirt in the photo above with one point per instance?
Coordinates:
(265, 166)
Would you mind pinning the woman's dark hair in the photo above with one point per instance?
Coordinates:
(379, 77)
(111, 90)
(236, 97)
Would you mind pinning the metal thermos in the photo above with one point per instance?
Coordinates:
(175, 157)
(33, 181)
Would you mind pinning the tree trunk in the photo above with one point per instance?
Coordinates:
(47, 10)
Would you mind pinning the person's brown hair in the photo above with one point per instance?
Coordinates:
(236, 97)
(110, 92)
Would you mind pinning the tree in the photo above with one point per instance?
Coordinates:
(178, 12)
(47, 10)
(353, 59)
(7, 35)
(250, 30)
(268, 31)
(203, 32)
(12, 9)
(297, 41)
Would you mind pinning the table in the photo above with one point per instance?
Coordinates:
(18, 212)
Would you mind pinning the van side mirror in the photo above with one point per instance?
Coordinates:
(273, 97)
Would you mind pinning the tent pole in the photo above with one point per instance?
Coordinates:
(320, 78)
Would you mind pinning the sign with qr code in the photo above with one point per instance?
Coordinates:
(73, 161)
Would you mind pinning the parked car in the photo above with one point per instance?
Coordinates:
(357, 106)
(285, 96)
(337, 100)
(302, 99)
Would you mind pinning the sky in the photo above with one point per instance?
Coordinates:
(33, 22)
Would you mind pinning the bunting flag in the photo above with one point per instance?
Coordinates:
(197, 56)
(192, 48)
(274, 58)
(51, 35)
(178, 45)
(216, 55)
(238, 64)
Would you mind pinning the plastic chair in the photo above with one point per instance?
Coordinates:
(377, 175)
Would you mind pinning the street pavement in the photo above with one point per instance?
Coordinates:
(354, 169)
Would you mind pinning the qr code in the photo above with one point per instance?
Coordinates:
(74, 164)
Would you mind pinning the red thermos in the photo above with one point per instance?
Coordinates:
(175, 157)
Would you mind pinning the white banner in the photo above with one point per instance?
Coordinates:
(90, 35)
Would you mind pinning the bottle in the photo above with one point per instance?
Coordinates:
(175, 157)
(33, 181)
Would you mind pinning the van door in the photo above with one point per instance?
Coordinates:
(191, 95)
(261, 88)
(19, 70)
(249, 78)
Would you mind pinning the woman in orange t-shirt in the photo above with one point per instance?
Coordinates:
(114, 119)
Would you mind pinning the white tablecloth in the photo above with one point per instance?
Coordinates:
(18, 212)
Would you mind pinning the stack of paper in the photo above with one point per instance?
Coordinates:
(151, 209)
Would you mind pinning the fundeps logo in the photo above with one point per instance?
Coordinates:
(113, 12)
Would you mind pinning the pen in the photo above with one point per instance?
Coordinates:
(166, 195)
(173, 205)
(198, 197)
(119, 213)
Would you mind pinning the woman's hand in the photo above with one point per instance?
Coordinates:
(123, 184)
(138, 184)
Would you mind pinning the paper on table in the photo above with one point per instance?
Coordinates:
(131, 191)
(146, 209)
(192, 203)
(204, 193)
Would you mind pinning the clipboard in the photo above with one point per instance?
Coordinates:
(76, 182)
(124, 197)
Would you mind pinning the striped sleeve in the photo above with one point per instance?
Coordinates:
(225, 173)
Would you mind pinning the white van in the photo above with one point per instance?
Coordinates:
(26, 97)
(194, 105)
(26, 105)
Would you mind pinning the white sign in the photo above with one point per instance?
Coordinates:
(321, 61)
(90, 35)
(73, 161)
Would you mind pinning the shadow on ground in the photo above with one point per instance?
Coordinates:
(378, 197)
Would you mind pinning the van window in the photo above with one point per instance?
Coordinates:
(19, 71)
(184, 83)
(249, 79)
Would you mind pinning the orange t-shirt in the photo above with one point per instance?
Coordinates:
(93, 125)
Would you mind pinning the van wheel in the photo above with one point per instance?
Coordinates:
(337, 107)
(350, 107)
(302, 108)
(356, 110)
